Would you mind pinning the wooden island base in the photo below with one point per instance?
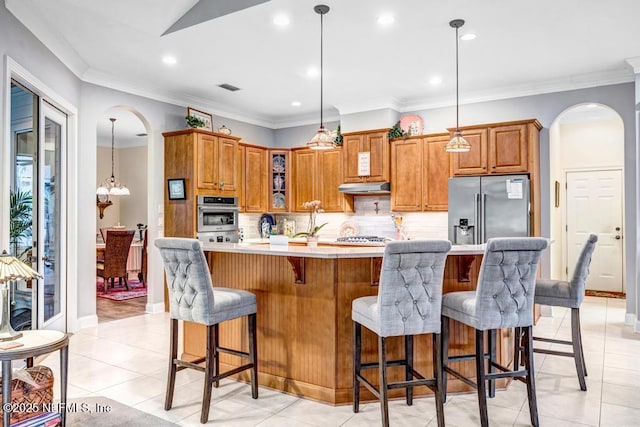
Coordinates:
(305, 329)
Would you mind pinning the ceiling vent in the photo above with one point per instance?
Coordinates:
(229, 87)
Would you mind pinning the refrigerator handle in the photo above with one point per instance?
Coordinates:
(484, 221)
(476, 217)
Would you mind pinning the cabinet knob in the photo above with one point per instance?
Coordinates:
(493, 167)
(484, 167)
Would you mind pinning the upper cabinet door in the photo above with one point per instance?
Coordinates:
(207, 160)
(240, 170)
(508, 149)
(435, 181)
(227, 172)
(305, 171)
(473, 162)
(352, 145)
(255, 187)
(378, 146)
(279, 181)
(330, 167)
(406, 178)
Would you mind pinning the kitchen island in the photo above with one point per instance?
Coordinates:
(304, 297)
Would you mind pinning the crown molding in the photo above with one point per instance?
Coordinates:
(579, 81)
(369, 104)
(634, 63)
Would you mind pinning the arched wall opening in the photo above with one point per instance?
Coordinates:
(586, 143)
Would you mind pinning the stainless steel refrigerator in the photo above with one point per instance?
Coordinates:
(482, 207)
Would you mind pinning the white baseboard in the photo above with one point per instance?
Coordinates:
(154, 308)
(88, 321)
(629, 319)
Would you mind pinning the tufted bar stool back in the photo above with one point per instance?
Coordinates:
(560, 293)
(193, 298)
(503, 299)
(408, 303)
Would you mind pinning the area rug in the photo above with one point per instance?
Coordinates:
(605, 294)
(104, 412)
(120, 293)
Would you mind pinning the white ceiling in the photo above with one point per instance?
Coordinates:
(126, 129)
(522, 48)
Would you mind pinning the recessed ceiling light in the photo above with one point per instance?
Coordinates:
(296, 104)
(435, 80)
(386, 19)
(281, 20)
(169, 60)
(468, 36)
(313, 72)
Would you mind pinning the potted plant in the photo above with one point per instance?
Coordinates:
(20, 222)
(194, 122)
(397, 132)
(312, 230)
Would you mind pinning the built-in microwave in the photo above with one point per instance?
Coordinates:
(217, 218)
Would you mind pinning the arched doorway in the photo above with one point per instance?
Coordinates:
(128, 162)
(587, 193)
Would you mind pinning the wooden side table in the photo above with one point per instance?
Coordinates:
(35, 344)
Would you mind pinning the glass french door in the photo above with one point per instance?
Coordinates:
(37, 232)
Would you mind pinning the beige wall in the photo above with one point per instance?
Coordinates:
(131, 168)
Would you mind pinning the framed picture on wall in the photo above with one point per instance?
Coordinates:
(205, 117)
(176, 189)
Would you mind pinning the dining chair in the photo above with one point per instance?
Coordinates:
(142, 274)
(116, 252)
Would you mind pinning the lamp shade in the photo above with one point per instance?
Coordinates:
(457, 144)
(322, 140)
(11, 268)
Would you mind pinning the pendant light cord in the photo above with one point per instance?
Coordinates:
(457, 89)
(113, 121)
(321, 67)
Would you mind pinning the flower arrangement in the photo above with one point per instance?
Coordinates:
(314, 209)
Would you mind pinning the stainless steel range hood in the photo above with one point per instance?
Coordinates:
(366, 188)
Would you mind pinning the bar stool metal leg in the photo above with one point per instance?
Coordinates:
(357, 343)
(481, 380)
(253, 353)
(491, 335)
(444, 347)
(530, 379)
(576, 341)
(384, 392)
(438, 374)
(408, 367)
(173, 354)
(208, 374)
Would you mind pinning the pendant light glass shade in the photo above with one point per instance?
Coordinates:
(112, 186)
(457, 144)
(323, 139)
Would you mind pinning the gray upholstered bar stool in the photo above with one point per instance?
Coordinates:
(503, 299)
(193, 298)
(569, 294)
(407, 304)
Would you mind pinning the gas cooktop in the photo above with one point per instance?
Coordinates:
(363, 240)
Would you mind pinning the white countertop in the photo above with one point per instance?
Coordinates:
(262, 247)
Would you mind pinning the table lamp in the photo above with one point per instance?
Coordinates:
(11, 268)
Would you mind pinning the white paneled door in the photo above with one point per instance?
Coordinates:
(594, 205)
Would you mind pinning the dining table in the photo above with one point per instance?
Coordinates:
(133, 260)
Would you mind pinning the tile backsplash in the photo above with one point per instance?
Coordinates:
(417, 225)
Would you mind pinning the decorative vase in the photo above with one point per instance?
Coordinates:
(312, 241)
(224, 130)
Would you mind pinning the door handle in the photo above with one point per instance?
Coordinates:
(618, 237)
(617, 228)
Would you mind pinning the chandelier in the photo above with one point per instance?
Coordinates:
(112, 186)
(457, 144)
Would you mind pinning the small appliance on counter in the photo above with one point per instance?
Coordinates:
(217, 219)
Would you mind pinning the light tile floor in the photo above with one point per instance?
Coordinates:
(126, 360)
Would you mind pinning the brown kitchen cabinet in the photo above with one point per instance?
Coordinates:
(498, 148)
(420, 173)
(216, 163)
(279, 181)
(255, 182)
(240, 170)
(317, 175)
(375, 142)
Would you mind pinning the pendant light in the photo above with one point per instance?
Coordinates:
(112, 186)
(323, 139)
(457, 144)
